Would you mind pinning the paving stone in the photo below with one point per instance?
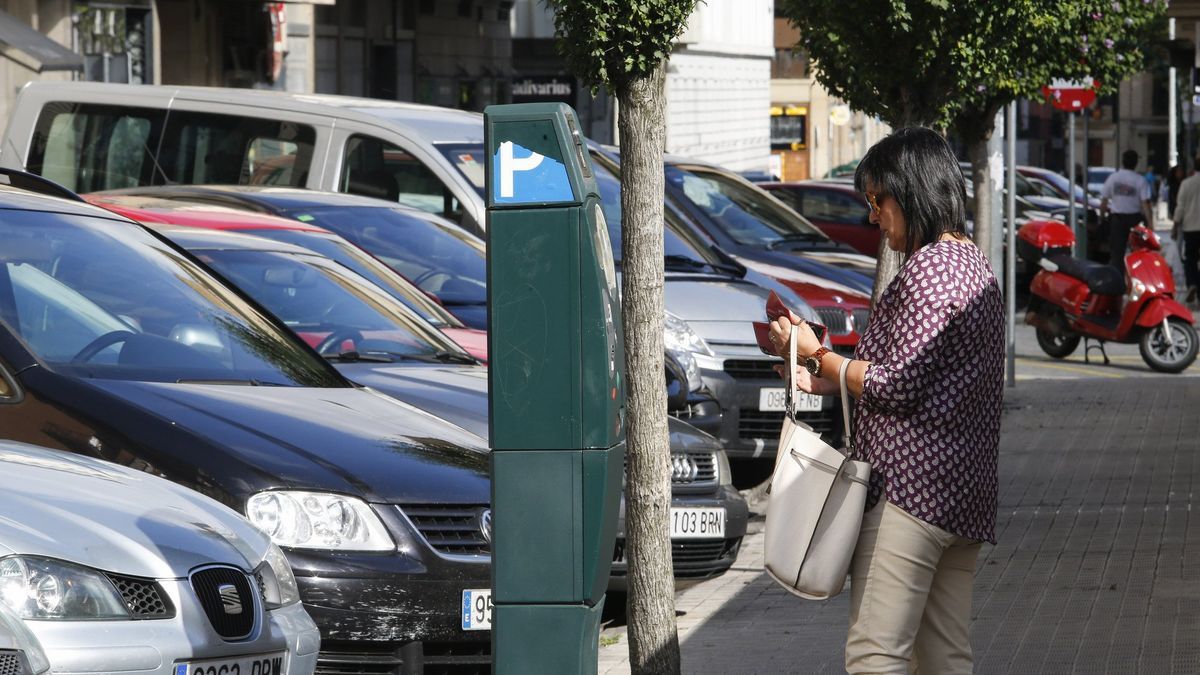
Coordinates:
(1094, 571)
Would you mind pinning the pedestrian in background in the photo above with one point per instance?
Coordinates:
(929, 375)
(1126, 195)
(1187, 226)
(1174, 178)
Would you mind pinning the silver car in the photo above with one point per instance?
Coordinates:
(118, 571)
(20, 653)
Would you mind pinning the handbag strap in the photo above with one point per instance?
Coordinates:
(849, 439)
(789, 394)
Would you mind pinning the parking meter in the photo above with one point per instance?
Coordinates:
(556, 391)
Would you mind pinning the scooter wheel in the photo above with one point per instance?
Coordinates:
(1058, 345)
(1170, 356)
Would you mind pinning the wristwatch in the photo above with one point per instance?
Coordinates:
(812, 362)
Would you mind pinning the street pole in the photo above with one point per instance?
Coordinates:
(1172, 116)
(995, 150)
(1010, 273)
(1083, 231)
(1071, 171)
(1188, 151)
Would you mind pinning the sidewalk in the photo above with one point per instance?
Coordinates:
(1096, 568)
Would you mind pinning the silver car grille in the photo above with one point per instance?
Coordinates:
(144, 598)
(835, 319)
(861, 317)
(10, 663)
(226, 595)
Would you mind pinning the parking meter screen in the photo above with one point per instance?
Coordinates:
(102, 299)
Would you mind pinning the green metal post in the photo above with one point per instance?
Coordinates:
(556, 392)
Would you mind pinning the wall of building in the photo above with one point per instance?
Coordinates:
(718, 85)
(52, 17)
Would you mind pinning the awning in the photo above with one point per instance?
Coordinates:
(21, 43)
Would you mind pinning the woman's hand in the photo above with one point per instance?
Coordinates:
(808, 384)
(806, 340)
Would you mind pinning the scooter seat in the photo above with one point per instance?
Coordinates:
(1101, 279)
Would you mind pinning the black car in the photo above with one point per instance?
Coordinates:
(378, 342)
(115, 343)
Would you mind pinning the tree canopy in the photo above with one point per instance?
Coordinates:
(608, 43)
(955, 63)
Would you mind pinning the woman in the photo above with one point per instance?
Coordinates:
(928, 376)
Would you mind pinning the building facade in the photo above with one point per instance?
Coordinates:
(718, 79)
(812, 132)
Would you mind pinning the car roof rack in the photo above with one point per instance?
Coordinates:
(32, 182)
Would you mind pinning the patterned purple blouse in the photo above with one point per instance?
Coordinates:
(928, 419)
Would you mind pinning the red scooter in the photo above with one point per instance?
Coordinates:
(1073, 299)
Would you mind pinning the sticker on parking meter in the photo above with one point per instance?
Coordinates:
(522, 176)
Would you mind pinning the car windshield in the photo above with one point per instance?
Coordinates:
(468, 159)
(103, 299)
(437, 256)
(740, 211)
(331, 308)
(675, 247)
(339, 250)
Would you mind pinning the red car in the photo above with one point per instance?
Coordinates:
(317, 239)
(835, 207)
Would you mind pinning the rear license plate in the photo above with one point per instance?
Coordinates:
(258, 664)
(697, 523)
(772, 400)
(477, 609)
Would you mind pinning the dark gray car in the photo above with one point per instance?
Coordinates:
(378, 342)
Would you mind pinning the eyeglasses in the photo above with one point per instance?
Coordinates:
(873, 200)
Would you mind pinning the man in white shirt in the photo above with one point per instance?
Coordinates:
(1187, 224)
(1126, 195)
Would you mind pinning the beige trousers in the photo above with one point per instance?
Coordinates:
(910, 596)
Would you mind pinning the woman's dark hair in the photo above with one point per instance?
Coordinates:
(916, 167)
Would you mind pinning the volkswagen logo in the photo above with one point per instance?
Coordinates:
(230, 600)
(485, 524)
(683, 468)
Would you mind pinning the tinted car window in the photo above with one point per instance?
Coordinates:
(376, 168)
(212, 149)
(88, 147)
(361, 263)
(833, 206)
(436, 256)
(610, 204)
(739, 210)
(327, 305)
(104, 299)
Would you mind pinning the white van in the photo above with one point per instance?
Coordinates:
(93, 136)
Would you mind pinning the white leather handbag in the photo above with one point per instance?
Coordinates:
(817, 497)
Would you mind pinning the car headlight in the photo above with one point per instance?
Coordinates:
(278, 583)
(684, 344)
(318, 520)
(46, 589)
(724, 474)
(691, 368)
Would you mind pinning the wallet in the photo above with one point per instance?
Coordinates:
(776, 309)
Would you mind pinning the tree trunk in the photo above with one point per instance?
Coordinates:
(981, 179)
(653, 639)
(887, 266)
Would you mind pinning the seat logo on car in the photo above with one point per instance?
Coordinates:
(485, 524)
(230, 599)
(684, 468)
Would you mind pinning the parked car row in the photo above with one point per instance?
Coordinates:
(294, 325)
